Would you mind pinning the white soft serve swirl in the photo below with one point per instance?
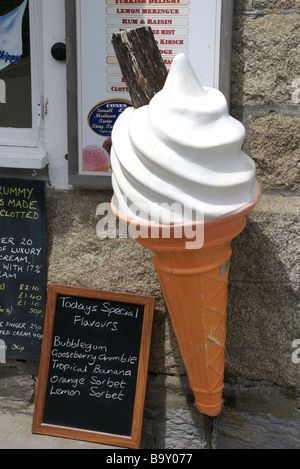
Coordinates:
(183, 148)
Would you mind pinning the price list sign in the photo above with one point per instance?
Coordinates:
(22, 267)
(191, 27)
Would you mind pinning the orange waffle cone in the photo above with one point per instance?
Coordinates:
(195, 287)
(196, 299)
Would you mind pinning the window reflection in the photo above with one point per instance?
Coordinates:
(15, 71)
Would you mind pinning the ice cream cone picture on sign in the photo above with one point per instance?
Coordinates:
(183, 184)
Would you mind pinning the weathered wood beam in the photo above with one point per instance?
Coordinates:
(141, 63)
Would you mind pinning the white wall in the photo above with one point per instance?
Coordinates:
(55, 94)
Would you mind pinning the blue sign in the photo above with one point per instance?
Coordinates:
(11, 47)
(103, 116)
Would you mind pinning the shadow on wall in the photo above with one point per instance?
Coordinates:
(238, 65)
(262, 307)
(171, 419)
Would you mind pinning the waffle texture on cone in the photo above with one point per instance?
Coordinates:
(195, 287)
(179, 159)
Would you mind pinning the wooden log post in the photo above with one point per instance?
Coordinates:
(141, 63)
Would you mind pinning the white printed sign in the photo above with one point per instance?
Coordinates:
(191, 27)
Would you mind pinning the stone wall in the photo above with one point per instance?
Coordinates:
(266, 98)
(262, 386)
(266, 88)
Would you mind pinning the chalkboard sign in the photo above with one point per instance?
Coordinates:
(22, 267)
(94, 363)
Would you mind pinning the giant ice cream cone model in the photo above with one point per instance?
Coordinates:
(194, 283)
(178, 163)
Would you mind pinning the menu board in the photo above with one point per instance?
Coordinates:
(22, 267)
(191, 27)
(94, 363)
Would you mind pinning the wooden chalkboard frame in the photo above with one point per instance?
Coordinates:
(38, 425)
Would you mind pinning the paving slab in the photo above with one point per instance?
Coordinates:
(15, 433)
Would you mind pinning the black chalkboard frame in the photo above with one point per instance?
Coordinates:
(38, 425)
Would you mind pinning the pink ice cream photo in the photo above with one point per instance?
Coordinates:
(95, 158)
